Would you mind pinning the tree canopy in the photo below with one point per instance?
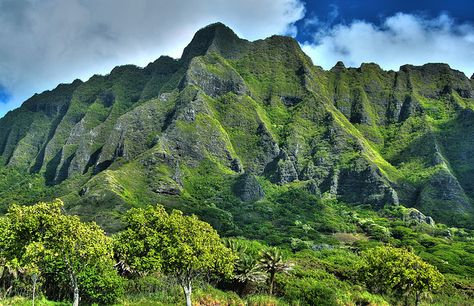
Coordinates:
(177, 245)
(396, 270)
(59, 248)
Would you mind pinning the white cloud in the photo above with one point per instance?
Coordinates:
(400, 39)
(43, 43)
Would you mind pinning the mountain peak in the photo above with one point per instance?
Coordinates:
(214, 37)
(339, 66)
(259, 108)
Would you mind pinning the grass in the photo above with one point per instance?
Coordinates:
(22, 301)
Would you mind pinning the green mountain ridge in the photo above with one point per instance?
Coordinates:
(231, 127)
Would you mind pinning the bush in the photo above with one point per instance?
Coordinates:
(309, 291)
(101, 284)
(264, 300)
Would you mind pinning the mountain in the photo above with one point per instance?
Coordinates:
(246, 135)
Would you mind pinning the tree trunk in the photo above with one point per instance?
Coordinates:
(34, 291)
(417, 298)
(272, 281)
(187, 293)
(75, 287)
(76, 296)
(34, 279)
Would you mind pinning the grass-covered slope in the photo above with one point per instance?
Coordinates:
(249, 135)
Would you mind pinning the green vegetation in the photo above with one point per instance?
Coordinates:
(388, 269)
(271, 261)
(49, 255)
(57, 252)
(362, 136)
(181, 246)
(308, 175)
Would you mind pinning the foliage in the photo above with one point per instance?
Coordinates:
(272, 262)
(388, 269)
(327, 149)
(61, 250)
(309, 291)
(178, 245)
(247, 270)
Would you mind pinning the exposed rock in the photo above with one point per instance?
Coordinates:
(261, 107)
(248, 189)
(283, 169)
(444, 188)
(268, 146)
(447, 80)
(339, 66)
(167, 190)
(414, 214)
(290, 101)
(365, 184)
(359, 113)
(83, 191)
(216, 37)
(210, 82)
(163, 172)
(334, 182)
(135, 132)
(236, 165)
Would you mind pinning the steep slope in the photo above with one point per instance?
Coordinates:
(231, 128)
(411, 117)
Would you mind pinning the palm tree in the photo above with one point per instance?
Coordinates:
(235, 245)
(247, 271)
(271, 261)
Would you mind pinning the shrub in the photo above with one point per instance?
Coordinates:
(310, 291)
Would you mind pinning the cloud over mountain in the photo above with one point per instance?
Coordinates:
(51, 41)
(400, 39)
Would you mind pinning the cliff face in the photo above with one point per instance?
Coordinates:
(233, 118)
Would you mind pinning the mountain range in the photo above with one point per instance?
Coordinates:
(233, 128)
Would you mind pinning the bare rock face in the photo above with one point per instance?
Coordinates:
(285, 170)
(218, 81)
(415, 215)
(248, 189)
(248, 112)
(216, 37)
(365, 184)
(135, 132)
(444, 192)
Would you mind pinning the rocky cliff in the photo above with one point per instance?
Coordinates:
(233, 119)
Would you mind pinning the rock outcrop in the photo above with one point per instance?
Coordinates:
(232, 113)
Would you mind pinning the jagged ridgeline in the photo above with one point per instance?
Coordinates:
(244, 132)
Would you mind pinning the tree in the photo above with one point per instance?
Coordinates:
(79, 245)
(271, 261)
(43, 239)
(247, 271)
(178, 245)
(389, 269)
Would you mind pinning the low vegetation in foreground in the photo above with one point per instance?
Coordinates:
(167, 258)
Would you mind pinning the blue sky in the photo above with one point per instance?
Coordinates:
(44, 43)
(375, 11)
